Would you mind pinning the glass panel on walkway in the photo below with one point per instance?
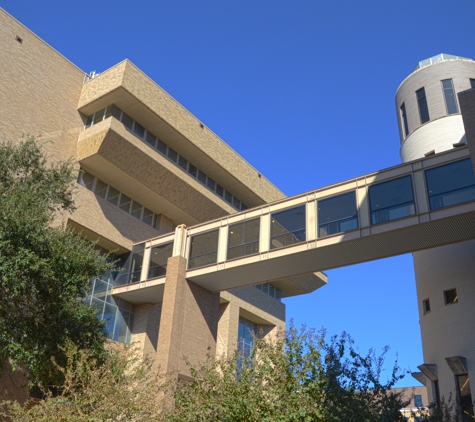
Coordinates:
(203, 249)
(243, 238)
(337, 214)
(158, 260)
(450, 184)
(288, 227)
(391, 200)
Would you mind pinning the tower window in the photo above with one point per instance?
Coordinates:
(472, 83)
(426, 306)
(450, 296)
(450, 101)
(404, 119)
(422, 103)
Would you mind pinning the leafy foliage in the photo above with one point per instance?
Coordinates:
(123, 388)
(301, 377)
(44, 270)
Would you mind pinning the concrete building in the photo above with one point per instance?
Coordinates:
(209, 245)
(430, 121)
(145, 165)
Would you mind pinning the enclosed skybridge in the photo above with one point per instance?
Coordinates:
(418, 205)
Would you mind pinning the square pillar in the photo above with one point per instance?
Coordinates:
(188, 323)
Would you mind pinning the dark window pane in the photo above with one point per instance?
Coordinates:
(115, 111)
(472, 83)
(202, 177)
(228, 197)
(192, 170)
(236, 203)
(172, 154)
(113, 195)
(450, 296)
(88, 122)
(211, 184)
(243, 206)
(127, 121)
(136, 210)
(147, 216)
(243, 238)
(450, 102)
(450, 184)
(101, 188)
(465, 396)
(108, 112)
(136, 262)
(417, 400)
(219, 190)
(87, 180)
(391, 200)
(182, 162)
(139, 130)
(288, 227)
(203, 249)
(426, 306)
(151, 140)
(158, 260)
(124, 203)
(337, 214)
(422, 103)
(404, 119)
(162, 146)
(98, 116)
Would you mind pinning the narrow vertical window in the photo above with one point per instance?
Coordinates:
(404, 119)
(449, 95)
(422, 103)
(426, 305)
(472, 83)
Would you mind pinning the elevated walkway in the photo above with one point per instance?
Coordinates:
(417, 205)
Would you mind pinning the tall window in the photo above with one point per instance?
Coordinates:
(158, 260)
(449, 95)
(404, 119)
(422, 103)
(472, 83)
(246, 333)
(464, 394)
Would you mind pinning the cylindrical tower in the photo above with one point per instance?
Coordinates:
(429, 121)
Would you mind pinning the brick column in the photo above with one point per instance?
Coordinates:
(188, 324)
(227, 328)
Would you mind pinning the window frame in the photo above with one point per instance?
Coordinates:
(444, 91)
(422, 100)
(456, 299)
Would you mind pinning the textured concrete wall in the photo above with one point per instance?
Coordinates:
(127, 77)
(39, 92)
(188, 324)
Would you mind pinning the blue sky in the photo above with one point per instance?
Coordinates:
(303, 90)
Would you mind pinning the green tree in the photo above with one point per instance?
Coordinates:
(301, 377)
(44, 269)
(123, 387)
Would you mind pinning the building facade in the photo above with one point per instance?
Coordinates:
(430, 121)
(145, 166)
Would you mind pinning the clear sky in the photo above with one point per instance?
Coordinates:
(302, 89)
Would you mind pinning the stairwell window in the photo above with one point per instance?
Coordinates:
(422, 104)
(404, 119)
(449, 95)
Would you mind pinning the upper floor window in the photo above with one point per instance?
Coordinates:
(422, 103)
(418, 400)
(450, 296)
(404, 119)
(449, 95)
(472, 83)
